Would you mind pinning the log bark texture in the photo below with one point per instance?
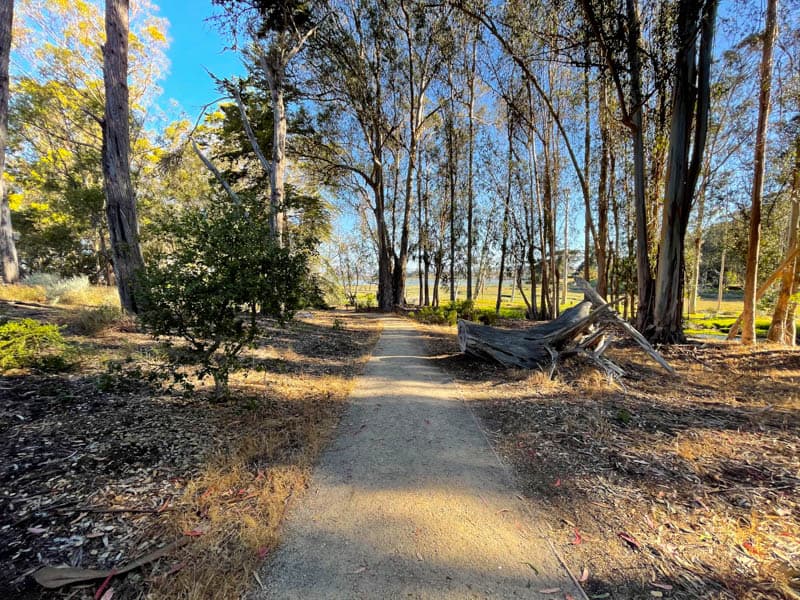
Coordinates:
(526, 348)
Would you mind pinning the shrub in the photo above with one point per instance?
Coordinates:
(366, 303)
(91, 321)
(222, 272)
(487, 317)
(436, 316)
(29, 343)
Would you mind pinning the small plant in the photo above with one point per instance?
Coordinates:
(211, 288)
(29, 343)
(338, 325)
(132, 374)
(91, 321)
(366, 303)
(487, 317)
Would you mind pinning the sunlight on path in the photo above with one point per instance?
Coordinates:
(409, 501)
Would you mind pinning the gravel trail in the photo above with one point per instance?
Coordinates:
(410, 501)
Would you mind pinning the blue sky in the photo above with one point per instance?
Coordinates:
(195, 45)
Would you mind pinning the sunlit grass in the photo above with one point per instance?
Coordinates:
(94, 295)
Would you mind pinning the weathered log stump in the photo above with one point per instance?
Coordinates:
(526, 348)
(585, 329)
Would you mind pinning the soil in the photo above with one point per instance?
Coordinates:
(666, 486)
(99, 466)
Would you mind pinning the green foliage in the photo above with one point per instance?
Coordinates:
(29, 343)
(134, 373)
(366, 302)
(722, 325)
(222, 272)
(450, 314)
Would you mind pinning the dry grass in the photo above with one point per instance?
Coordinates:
(701, 470)
(22, 293)
(234, 506)
(95, 295)
(217, 475)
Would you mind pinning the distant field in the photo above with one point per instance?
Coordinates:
(706, 321)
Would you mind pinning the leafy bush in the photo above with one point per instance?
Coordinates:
(91, 321)
(365, 303)
(23, 293)
(222, 272)
(436, 316)
(55, 286)
(29, 343)
(450, 314)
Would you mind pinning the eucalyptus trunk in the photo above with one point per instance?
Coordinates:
(120, 198)
(686, 147)
(8, 250)
(782, 328)
(759, 159)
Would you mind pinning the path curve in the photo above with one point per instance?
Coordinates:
(409, 500)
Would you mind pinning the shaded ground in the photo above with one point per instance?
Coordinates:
(661, 486)
(410, 502)
(99, 467)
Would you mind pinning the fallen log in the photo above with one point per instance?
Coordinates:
(527, 348)
(586, 330)
(598, 301)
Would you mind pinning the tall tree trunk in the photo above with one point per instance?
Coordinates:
(644, 275)
(566, 249)
(694, 283)
(8, 250)
(278, 172)
(120, 198)
(385, 252)
(782, 330)
(587, 149)
(690, 106)
(451, 174)
(420, 235)
(721, 283)
(602, 192)
(506, 209)
(470, 161)
(751, 272)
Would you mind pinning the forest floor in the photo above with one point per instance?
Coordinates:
(99, 467)
(683, 486)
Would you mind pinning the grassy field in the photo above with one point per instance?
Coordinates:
(707, 321)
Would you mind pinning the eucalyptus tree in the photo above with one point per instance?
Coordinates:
(120, 196)
(759, 154)
(730, 127)
(8, 250)
(278, 31)
(55, 130)
(420, 28)
(348, 64)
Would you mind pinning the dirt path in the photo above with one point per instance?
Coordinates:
(409, 501)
